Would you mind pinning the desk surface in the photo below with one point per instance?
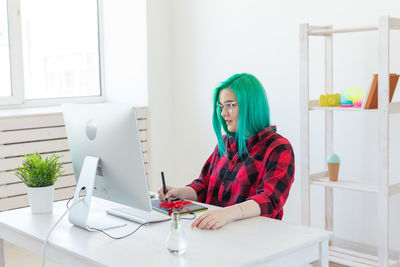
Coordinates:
(246, 242)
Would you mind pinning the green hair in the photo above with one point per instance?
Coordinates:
(253, 110)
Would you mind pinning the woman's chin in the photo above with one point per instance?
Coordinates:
(231, 129)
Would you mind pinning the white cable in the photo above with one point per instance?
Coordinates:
(52, 228)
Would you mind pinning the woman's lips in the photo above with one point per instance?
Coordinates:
(228, 121)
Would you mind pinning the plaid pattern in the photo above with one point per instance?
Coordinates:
(264, 176)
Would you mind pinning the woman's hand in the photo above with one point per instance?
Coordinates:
(213, 219)
(172, 193)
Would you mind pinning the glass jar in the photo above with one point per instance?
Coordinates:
(176, 240)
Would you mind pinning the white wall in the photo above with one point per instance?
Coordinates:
(202, 42)
(125, 51)
(161, 100)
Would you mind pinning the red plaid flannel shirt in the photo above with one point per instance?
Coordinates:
(265, 175)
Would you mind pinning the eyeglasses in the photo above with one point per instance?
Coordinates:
(227, 105)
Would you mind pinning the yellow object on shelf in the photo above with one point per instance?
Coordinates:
(329, 100)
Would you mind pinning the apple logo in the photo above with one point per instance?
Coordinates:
(91, 129)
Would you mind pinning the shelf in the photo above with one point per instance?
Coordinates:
(344, 30)
(354, 258)
(394, 24)
(313, 105)
(323, 180)
(394, 108)
(380, 184)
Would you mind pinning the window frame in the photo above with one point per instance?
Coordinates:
(17, 98)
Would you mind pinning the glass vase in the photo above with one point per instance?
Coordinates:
(176, 240)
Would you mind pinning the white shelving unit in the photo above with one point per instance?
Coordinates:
(382, 186)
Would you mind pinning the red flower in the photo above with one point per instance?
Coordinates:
(175, 205)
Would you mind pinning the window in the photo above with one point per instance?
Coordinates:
(53, 48)
(5, 78)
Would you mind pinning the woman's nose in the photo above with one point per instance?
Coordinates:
(224, 113)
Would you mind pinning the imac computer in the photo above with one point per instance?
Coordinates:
(107, 159)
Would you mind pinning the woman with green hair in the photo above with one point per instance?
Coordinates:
(251, 169)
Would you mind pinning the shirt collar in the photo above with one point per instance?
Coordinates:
(264, 133)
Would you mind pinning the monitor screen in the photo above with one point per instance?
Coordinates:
(110, 132)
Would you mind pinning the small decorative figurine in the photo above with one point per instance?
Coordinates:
(329, 100)
(333, 162)
(352, 97)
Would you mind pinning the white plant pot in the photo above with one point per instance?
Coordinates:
(41, 199)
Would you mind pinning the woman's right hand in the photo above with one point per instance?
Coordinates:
(172, 193)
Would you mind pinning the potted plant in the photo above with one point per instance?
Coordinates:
(39, 175)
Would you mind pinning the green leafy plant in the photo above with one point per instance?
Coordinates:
(37, 171)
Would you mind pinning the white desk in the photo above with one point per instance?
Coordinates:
(252, 242)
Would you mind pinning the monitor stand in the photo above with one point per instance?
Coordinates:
(79, 213)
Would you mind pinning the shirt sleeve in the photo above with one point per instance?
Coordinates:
(278, 178)
(200, 185)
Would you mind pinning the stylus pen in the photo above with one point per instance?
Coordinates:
(163, 183)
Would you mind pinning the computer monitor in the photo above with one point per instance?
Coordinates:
(107, 157)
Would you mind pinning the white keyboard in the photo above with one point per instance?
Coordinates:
(139, 216)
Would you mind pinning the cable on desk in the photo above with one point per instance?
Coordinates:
(191, 218)
(83, 188)
(118, 237)
(134, 231)
(69, 201)
(52, 229)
